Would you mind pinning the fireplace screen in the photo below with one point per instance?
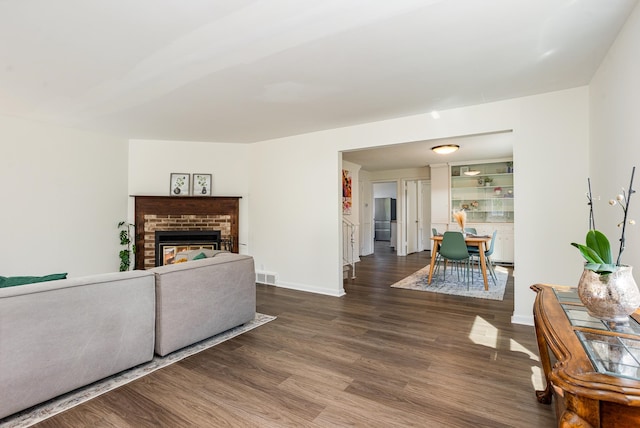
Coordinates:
(178, 253)
(173, 246)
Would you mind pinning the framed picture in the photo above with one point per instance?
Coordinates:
(464, 170)
(179, 185)
(201, 185)
(346, 192)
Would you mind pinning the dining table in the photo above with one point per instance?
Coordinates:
(480, 241)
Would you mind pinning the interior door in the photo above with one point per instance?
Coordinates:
(411, 204)
(425, 216)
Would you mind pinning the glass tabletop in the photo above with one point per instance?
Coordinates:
(608, 351)
(612, 355)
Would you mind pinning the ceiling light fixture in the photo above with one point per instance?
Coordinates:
(445, 149)
(472, 172)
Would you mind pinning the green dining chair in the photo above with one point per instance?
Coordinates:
(453, 248)
(434, 231)
(473, 249)
(487, 257)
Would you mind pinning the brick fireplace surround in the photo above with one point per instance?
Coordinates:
(163, 213)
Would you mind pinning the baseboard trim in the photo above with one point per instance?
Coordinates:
(311, 289)
(524, 320)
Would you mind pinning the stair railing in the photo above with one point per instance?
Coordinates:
(349, 257)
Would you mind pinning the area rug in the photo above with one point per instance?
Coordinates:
(57, 405)
(418, 281)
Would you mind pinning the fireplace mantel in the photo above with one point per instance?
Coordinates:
(146, 206)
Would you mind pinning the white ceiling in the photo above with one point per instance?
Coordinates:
(250, 70)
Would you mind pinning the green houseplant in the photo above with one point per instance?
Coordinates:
(125, 240)
(607, 289)
(597, 253)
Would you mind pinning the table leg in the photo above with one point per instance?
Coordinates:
(434, 254)
(483, 264)
(543, 396)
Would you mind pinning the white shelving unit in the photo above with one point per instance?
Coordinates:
(488, 198)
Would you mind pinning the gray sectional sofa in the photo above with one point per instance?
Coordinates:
(201, 298)
(61, 335)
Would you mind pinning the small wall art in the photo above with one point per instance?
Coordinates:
(346, 192)
(201, 185)
(179, 185)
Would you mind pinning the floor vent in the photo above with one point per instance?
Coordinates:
(268, 278)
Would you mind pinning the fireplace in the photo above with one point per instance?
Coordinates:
(184, 213)
(169, 244)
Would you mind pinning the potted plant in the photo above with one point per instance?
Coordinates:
(607, 289)
(125, 240)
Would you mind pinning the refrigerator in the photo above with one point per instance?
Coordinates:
(384, 211)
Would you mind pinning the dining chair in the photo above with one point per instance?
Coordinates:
(487, 257)
(473, 249)
(434, 231)
(453, 248)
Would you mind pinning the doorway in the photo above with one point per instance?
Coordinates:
(417, 199)
(385, 235)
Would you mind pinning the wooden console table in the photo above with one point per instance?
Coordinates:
(595, 374)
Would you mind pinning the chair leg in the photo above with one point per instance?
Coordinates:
(437, 266)
(467, 264)
(491, 270)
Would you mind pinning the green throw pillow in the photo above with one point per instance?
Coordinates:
(13, 281)
(200, 256)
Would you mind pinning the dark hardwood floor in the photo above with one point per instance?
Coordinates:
(377, 357)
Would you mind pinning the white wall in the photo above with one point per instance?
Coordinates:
(615, 138)
(550, 158)
(385, 190)
(366, 213)
(151, 163)
(64, 192)
(399, 174)
(300, 238)
(295, 212)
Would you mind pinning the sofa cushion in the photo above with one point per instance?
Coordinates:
(13, 281)
(200, 256)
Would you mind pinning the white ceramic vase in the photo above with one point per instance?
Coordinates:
(611, 297)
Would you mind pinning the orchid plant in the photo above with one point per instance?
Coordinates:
(597, 251)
